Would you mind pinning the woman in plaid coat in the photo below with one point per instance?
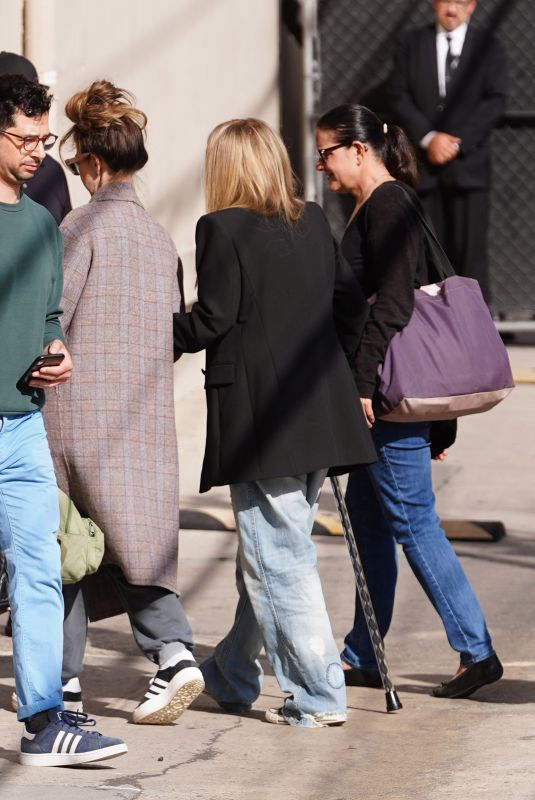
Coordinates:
(112, 431)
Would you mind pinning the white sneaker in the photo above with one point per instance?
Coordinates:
(169, 694)
(72, 697)
(280, 716)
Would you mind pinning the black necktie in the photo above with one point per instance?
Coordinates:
(451, 64)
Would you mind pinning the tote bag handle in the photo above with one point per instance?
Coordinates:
(438, 260)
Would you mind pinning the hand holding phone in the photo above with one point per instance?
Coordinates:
(49, 369)
(44, 360)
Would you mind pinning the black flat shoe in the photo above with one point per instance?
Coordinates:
(473, 678)
(371, 678)
(241, 709)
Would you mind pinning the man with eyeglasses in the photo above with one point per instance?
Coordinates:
(31, 279)
(448, 90)
(48, 186)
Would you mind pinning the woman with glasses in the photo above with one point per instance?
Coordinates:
(392, 500)
(274, 305)
(112, 431)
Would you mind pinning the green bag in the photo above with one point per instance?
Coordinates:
(81, 542)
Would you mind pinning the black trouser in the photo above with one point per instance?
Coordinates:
(461, 220)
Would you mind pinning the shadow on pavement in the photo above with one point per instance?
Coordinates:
(9, 755)
(507, 691)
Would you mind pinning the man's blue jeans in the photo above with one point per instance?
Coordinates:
(392, 501)
(281, 604)
(29, 520)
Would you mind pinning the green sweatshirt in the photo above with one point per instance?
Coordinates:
(31, 283)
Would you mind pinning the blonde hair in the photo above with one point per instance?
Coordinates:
(106, 123)
(247, 166)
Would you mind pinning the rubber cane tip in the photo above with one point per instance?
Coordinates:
(393, 703)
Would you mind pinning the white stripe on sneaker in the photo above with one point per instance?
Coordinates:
(160, 706)
(57, 742)
(65, 743)
(74, 744)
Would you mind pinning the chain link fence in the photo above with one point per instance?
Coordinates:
(357, 44)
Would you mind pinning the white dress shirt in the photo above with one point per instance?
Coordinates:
(457, 36)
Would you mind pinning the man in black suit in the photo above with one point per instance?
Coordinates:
(448, 91)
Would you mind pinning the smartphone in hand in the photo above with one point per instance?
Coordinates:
(44, 360)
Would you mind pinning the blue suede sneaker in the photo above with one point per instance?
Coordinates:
(63, 742)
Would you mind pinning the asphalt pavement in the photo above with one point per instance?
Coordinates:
(479, 748)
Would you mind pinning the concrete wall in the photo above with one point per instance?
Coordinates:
(11, 25)
(190, 63)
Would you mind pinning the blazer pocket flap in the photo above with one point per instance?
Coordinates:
(219, 375)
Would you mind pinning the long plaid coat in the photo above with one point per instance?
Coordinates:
(111, 428)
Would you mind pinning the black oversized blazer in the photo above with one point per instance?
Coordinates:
(473, 106)
(274, 303)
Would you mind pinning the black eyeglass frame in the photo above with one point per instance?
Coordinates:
(323, 152)
(45, 141)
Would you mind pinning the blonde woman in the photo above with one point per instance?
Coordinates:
(112, 431)
(273, 307)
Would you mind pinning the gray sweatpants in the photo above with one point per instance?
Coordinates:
(158, 621)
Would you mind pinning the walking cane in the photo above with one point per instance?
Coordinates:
(393, 702)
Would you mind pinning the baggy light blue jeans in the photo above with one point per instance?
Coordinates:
(393, 501)
(29, 520)
(280, 605)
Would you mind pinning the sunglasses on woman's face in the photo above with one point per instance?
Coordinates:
(73, 164)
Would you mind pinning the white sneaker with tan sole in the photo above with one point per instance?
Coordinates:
(281, 716)
(170, 693)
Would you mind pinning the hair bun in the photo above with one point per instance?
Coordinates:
(103, 105)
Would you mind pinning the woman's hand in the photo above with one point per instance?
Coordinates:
(440, 456)
(368, 411)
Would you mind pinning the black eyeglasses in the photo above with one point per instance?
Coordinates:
(30, 143)
(73, 164)
(323, 152)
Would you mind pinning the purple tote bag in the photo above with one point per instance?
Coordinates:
(449, 360)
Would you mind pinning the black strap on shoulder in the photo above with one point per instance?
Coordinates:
(437, 260)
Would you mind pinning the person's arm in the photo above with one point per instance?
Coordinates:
(218, 292)
(411, 118)
(180, 281)
(350, 309)
(53, 311)
(182, 306)
(481, 119)
(443, 435)
(53, 341)
(76, 266)
(393, 241)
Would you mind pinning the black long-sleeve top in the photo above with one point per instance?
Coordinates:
(385, 246)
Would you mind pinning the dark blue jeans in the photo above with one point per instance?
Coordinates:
(393, 501)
